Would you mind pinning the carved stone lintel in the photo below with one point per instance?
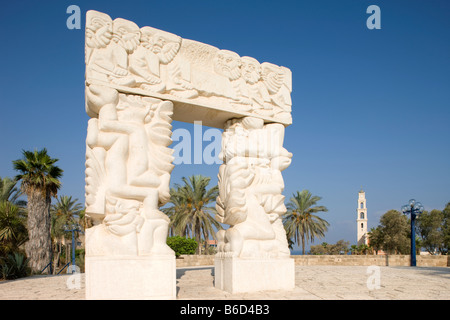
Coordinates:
(156, 63)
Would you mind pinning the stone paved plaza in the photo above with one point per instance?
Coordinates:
(312, 283)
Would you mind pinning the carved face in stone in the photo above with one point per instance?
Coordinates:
(126, 33)
(163, 44)
(98, 30)
(227, 63)
(250, 70)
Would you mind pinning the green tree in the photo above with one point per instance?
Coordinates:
(190, 213)
(10, 192)
(300, 220)
(182, 245)
(395, 233)
(361, 249)
(430, 228)
(13, 232)
(40, 182)
(446, 228)
(340, 247)
(319, 249)
(65, 212)
(376, 239)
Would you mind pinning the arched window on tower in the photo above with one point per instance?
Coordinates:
(361, 205)
(362, 225)
(361, 215)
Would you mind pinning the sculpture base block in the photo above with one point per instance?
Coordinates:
(131, 277)
(238, 275)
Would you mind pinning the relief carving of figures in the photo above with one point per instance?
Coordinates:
(250, 189)
(108, 44)
(260, 88)
(128, 166)
(157, 65)
(153, 61)
(120, 53)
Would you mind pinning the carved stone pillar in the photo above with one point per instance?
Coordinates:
(253, 253)
(128, 166)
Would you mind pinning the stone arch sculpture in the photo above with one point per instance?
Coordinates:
(137, 81)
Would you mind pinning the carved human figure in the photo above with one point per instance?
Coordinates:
(122, 145)
(254, 90)
(118, 232)
(227, 63)
(98, 32)
(278, 80)
(125, 40)
(146, 60)
(110, 42)
(98, 37)
(156, 65)
(250, 187)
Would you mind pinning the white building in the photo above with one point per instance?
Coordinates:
(361, 219)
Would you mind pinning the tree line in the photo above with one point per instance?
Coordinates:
(393, 234)
(33, 233)
(192, 212)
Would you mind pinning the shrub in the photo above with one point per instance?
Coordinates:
(182, 245)
(14, 266)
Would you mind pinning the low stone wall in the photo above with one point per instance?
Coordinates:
(370, 260)
(195, 260)
(334, 260)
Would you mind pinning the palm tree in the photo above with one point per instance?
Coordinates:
(65, 212)
(300, 220)
(40, 182)
(190, 214)
(13, 232)
(10, 192)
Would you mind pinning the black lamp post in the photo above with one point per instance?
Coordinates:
(72, 228)
(414, 209)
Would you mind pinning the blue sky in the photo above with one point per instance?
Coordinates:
(370, 107)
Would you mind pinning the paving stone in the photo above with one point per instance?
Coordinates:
(312, 283)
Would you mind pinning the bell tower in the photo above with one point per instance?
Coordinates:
(361, 219)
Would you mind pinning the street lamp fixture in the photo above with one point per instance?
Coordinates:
(413, 208)
(73, 228)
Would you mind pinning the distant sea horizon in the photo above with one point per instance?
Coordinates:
(299, 252)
